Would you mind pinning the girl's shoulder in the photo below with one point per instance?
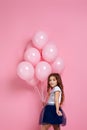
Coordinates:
(56, 88)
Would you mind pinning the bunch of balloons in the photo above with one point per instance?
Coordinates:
(40, 59)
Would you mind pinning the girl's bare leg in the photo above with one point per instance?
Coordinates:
(56, 127)
(45, 127)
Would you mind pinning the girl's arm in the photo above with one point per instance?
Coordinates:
(56, 100)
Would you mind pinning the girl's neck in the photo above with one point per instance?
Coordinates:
(53, 87)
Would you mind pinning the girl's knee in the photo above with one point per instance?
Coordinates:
(45, 127)
(56, 127)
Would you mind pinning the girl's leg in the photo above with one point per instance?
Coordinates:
(56, 127)
(45, 127)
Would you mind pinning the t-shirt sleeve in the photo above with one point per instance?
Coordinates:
(57, 89)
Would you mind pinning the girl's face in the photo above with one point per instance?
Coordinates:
(52, 81)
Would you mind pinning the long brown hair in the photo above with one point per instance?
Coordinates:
(59, 83)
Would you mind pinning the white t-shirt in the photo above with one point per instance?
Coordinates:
(51, 97)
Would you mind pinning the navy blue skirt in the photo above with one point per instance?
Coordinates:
(49, 116)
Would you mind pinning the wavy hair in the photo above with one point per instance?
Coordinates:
(59, 83)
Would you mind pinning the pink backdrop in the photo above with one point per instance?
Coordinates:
(65, 22)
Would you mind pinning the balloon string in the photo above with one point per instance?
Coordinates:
(36, 88)
(42, 92)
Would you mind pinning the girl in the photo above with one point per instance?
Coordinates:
(52, 114)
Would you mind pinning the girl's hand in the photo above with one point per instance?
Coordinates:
(43, 103)
(59, 113)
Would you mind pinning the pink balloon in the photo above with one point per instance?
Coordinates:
(33, 82)
(58, 65)
(43, 69)
(25, 70)
(39, 39)
(32, 55)
(49, 52)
